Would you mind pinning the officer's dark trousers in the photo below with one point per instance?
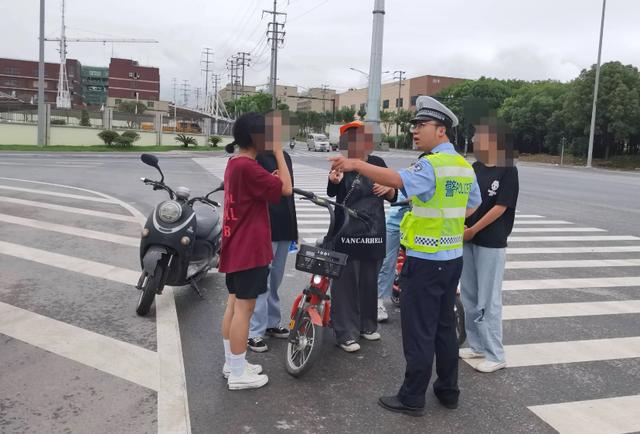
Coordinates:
(354, 299)
(428, 327)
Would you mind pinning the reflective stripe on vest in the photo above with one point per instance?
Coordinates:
(438, 224)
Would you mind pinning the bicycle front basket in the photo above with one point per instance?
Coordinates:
(316, 260)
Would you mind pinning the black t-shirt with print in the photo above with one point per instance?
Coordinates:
(499, 186)
(353, 241)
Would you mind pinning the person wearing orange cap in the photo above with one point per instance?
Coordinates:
(354, 309)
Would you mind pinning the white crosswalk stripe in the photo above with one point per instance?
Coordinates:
(585, 261)
(616, 415)
(159, 370)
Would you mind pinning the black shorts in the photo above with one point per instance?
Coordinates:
(248, 284)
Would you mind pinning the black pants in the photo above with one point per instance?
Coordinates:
(354, 299)
(428, 327)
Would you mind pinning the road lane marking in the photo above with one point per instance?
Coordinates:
(70, 263)
(69, 209)
(71, 230)
(581, 263)
(541, 222)
(556, 310)
(594, 282)
(554, 353)
(575, 238)
(532, 230)
(56, 194)
(551, 250)
(615, 415)
(121, 359)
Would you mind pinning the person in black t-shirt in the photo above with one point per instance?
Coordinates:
(284, 229)
(354, 308)
(485, 245)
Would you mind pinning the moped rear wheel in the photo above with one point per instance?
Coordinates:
(304, 344)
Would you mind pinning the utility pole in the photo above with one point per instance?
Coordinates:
(216, 81)
(41, 101)
(242, 62)
(185, 92)
(375, 69)
(324, 88)
(174, 84)
(595, 90)
(197, 91)
(275, 35)
(399, 77)
(206, 52)
(233, 68)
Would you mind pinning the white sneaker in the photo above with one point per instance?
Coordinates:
(468, 353)
(248, 380)
(255, 369)
(487, 366)
(373, 336)
(382, 311)
(350, 346)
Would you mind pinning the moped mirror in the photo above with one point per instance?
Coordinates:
(152, 160)
(149, 160)
(219, 188)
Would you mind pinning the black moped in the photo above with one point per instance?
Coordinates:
(180, 243)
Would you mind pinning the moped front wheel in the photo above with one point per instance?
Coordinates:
(149, 291)
(304, 344)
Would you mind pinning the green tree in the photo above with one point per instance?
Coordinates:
(186, 140)
(362, 113)
(129, 107)
(127, 138)
(529, 114)
(387, 121)
(348, 115)
(108, 136)
(403, 119)
(618, 114)
(491, 91)
(214, 140)
(85, 121)
(258, 102)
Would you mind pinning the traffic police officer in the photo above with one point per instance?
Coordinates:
(443, 190)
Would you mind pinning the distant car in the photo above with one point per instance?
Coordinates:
(318, 142)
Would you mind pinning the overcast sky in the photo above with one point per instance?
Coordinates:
(524, 39)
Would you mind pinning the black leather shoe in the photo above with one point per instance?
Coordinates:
(451, 405)
(392, 403)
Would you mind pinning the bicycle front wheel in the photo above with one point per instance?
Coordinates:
(303, 347)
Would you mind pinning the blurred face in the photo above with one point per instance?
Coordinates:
(357, 142)
(427, 134)
(487, 147)
(278, 129)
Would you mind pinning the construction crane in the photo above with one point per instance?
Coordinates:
(63, 99)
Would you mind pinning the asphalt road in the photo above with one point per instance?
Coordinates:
(583, 247)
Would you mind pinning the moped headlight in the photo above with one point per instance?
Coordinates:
(169, 211)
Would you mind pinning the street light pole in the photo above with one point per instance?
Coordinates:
(595, 90)
(41, 101)
(375, 70)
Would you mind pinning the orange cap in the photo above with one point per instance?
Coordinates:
(354, 124)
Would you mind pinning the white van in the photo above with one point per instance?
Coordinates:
(318, 142)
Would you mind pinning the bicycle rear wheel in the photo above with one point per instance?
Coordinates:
(303, 347)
